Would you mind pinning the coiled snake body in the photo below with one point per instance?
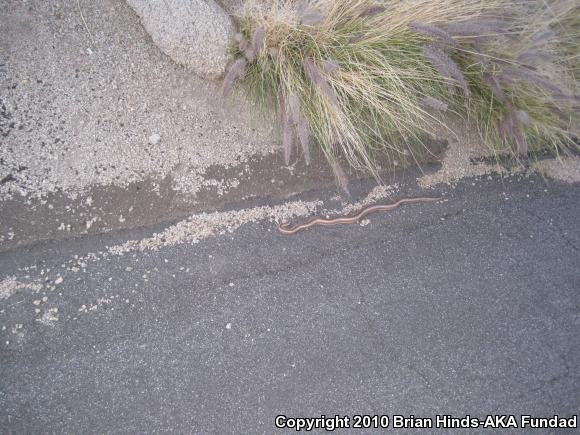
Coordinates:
(287, 229)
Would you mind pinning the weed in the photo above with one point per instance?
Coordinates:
(366, 79)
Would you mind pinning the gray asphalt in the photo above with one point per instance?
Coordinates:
(471, 306)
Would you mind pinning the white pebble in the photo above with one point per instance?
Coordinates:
(154, 139)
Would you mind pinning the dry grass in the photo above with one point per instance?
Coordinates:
(366, 79)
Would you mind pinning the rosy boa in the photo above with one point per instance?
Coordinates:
(287, 229)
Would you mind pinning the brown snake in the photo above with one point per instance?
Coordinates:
(287, 229)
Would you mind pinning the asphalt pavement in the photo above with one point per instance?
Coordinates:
(469, 306)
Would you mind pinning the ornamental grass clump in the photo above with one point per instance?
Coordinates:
(365, 80)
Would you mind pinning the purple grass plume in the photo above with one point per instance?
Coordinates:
(511, 128)
(258, 40)
(312, 18)
(522, 116)
(340, 176)
(330, 66)
(434, 32)
(294, 106)
(286, 127)
(300, 125)
(303, 131)
(534, 57)
(372, 11)
(308, 17)
(566, 97)
(434, 103)
(495, 87)
(301, 7)
(287, 143)
(251, 50)
(510, 74)
(477, 28)
(317, 79)
(273, 51)
(445, 66)
(236, 71)
(244, 46)
(543, 37)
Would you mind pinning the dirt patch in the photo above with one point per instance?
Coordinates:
(566, 169)
(463, 158)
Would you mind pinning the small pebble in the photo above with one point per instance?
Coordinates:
(154, 139)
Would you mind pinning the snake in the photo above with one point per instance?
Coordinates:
(289, 230)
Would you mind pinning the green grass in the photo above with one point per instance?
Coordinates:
(366, 80)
